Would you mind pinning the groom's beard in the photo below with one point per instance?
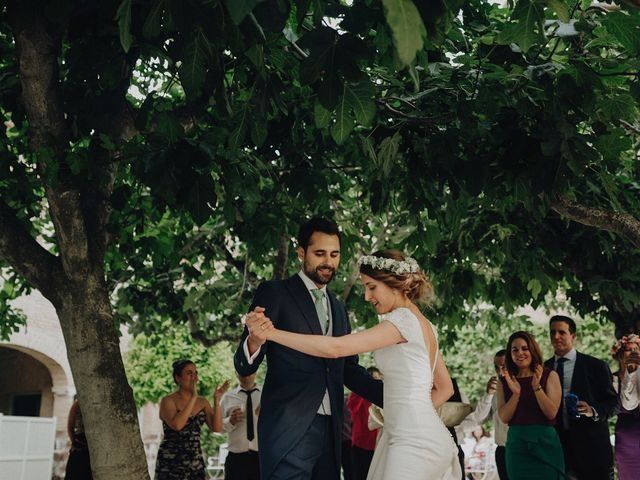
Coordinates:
(316, 275)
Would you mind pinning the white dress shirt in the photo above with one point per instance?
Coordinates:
(630, 390)
(325, 406)
(238, 442)
(486, 406)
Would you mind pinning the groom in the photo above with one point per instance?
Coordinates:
(299, 429)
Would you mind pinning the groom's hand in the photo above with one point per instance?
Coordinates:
(257, 324)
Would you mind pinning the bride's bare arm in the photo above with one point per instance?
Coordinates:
(442, 384)
(382, 335)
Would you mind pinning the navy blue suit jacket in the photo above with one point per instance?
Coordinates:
(295, 383)
(591, 382)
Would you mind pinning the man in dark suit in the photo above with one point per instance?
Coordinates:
(300, 423)
(585, 440)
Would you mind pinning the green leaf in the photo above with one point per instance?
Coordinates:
(525, 29)
(238, 9)
(387, 153)
(153, 22)
(123, 17)
(321, 116)
(534, 287)
(613, 144)
(169, 126)
(359, 99)
(344, 122)
(259, 131)
(241, 121)
(201, 198)
(560, 9)
(193, 68)
(407, 28)
(626, 28)
(619, 107)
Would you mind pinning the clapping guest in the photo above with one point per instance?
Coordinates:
(182, 413)
(486, 408)
(627, 352)
(528, 400)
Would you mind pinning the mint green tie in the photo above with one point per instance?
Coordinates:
(321, 309)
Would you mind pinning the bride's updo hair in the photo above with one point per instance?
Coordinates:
(415, 285)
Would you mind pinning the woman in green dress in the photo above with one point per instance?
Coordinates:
(528, 400)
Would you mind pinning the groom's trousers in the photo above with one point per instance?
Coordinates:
(313, 458)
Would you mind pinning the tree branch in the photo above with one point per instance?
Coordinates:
(239, 265)
(432, 120)
(623, 223)
(26, 256)
(280, 268)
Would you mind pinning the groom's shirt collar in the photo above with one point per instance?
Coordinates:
(309, 283)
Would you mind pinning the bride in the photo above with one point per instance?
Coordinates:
(415, 444)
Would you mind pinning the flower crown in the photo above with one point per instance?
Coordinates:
(622, 343)
(399, 267)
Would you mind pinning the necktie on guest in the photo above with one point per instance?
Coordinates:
(562, 418)
(321, 309)
(249, 413)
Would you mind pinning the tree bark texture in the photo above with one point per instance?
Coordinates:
(621, 223)
(74, 279)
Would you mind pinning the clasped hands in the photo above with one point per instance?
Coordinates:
(259, 325)
(513, 383)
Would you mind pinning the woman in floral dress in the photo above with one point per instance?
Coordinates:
(182, 413)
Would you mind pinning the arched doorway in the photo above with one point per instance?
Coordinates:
(25, 385)
(32, 383)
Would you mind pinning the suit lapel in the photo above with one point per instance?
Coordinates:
(303, 300)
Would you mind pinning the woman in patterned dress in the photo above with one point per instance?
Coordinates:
(182, 413)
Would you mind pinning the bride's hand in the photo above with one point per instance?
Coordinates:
(269, 331)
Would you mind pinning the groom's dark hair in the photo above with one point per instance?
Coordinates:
(316, 224)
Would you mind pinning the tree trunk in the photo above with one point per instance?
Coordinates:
(74, 279)
(105, 397)
(280, 267)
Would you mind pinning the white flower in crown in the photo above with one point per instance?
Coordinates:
(399, 267)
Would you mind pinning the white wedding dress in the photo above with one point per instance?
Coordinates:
(415, 444)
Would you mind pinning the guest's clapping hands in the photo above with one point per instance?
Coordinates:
(537, 376)
(632, 362)
(220, 390)
(492, 385)
(512, 383)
